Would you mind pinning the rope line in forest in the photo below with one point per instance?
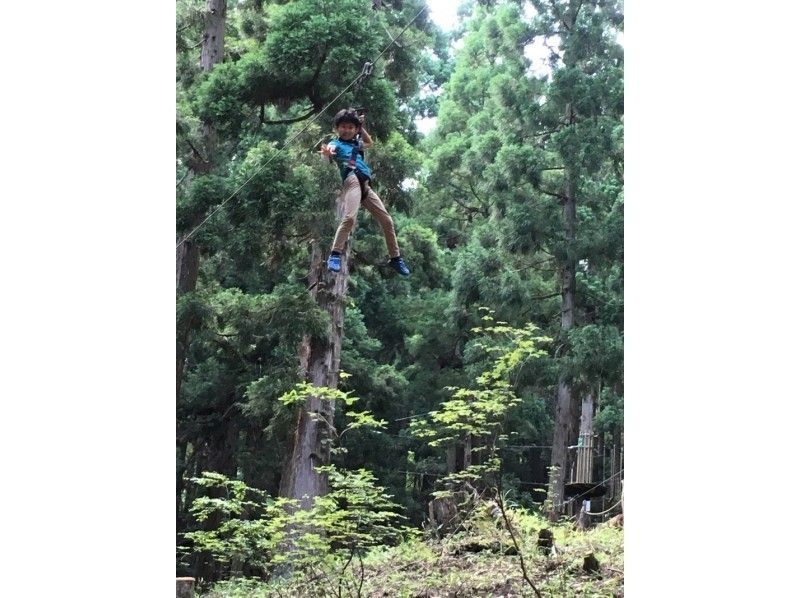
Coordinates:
(365, 71)
(440, 474)
(609, 509)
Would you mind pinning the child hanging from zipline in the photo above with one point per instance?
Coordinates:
(347, 151)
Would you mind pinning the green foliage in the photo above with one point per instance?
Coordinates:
(507, 147)
(357, 513)
(308, 57)
(204, 192)
(610, 414)
(596, 353)
(241, 534)
(392, 161)
(480, 412)
(265, 533)
(478, 561)
(355, 420)
(303, 390)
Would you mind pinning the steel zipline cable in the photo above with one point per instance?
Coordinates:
(366, 70)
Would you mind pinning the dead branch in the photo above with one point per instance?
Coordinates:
(501, 504)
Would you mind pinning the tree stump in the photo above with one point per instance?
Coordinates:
(545, 541)
(445, 512)
(616, 521)
(184, 587)
(591, 565)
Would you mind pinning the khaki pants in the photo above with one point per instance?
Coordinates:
(351, 197)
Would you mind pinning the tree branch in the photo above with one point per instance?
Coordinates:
(558, 195)
(195, 150)
(533, 265)
(183, 178)
(390, 37)
(346, 565)
(289, 120)
(558, 15)
(468, 219)
(468, 208)
(552, 51)
(361, 581)
(319, 67)
(197, 161)
(550, 132)
(480, 201)
(575, 14)
(617, 169)
(501, 504)
(550, 296)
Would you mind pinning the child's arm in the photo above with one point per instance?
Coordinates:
(364, 135)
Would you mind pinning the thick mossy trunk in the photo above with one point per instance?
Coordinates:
(319, 364)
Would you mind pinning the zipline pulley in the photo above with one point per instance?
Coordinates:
(366, 71)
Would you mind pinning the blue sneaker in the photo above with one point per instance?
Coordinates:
(334, 263)
(398, 264)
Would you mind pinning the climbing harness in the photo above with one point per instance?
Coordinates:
(351, 164)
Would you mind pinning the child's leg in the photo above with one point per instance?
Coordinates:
(375, 206)
(351, 198)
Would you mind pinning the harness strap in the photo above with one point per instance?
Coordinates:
(354, 154)
(362, 182)
(351, 164)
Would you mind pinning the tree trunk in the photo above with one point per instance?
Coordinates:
(459, 455)
(179, 485)
(565, 431)
(189, 491)
(184, 587)
(214, 34)
(188, 253)
(187, 262)
(319, 364)
(566, 416)
(219, 455)
(468, 451)
(222, 447)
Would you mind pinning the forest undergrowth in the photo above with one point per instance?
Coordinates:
(478, 560)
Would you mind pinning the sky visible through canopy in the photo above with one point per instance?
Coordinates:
(445, 14)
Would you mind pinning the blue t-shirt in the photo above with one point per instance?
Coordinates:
(344, 151)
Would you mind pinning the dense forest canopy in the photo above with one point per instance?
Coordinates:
(485, 361)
